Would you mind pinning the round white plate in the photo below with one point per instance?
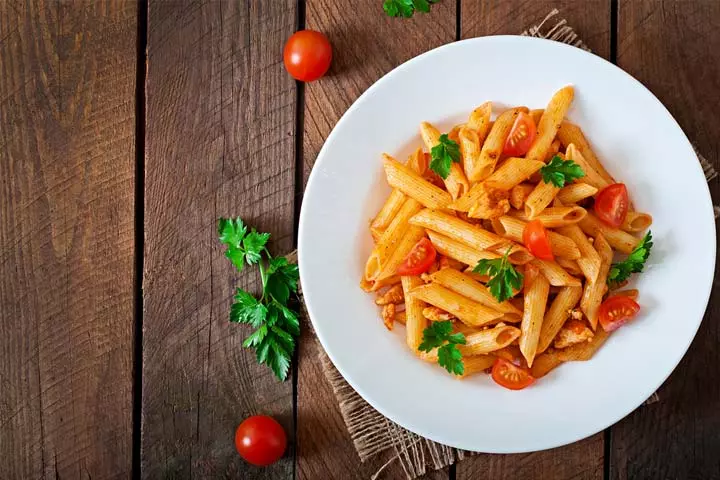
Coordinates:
(640, 144)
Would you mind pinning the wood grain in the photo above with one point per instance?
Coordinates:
(67, 163)
(591, 20)
(220, 142)
(674, 49)
(366, 45)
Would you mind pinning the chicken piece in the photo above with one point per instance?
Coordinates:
(447, 262)
(435, 314)
(388, 315)
(573, 332)
(393, 296)
(576, 314)
(493, 203)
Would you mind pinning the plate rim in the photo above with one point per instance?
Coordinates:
(314, 174)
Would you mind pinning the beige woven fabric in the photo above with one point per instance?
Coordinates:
(371, 432)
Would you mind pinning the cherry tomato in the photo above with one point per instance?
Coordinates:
(419, 260)
(616, 311)
(536, 239)
(260, 440)
(611, 204)
(508, 375)
(521, 136)
(307, 55)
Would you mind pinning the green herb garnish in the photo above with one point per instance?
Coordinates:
(559, 172)
(439, 335)
(443, 154)
(406, 8)
(504, 279)
(634, 263)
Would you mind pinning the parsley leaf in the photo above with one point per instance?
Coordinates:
(443, 154)
(504, 279)
(559, 172)
(634, 263)
(439, 335)
(406, 8)
(276, 325)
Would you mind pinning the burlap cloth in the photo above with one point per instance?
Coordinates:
(371, 432)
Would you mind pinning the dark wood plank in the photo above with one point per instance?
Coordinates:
(591, 20)
(220, 142)
(674, 49)
(67, 163)
(366, 44)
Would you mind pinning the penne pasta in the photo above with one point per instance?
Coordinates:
(541, 196)
(550, 122)
(469, 312)
(512, 228)
(415, 322)
(536, 290)
(469, 147)
(476, 364)
(392, 206)
(591, 177)
(636, 222)
(589, 261)
(493, 146)
(618, 239)
(519, 193)
(555, 317)
(544, 364)
(555, 217)
(536, 114)
(480, 121)
(575, 192)
(569, 133)
(411, 184)
(456, 182)
(404, 244)
(594, 291)
(555, 274)
(466, 286)
(459, 251)
(570, 266)
(630, 292)
(490, 340)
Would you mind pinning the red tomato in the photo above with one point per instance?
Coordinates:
(521, 137)
(419, 260)
(508, 375)
(617, 311)
(260, 440)
(611, 204)
(307, 55)
(536, 239)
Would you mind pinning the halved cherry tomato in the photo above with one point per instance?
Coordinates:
(508, 375)
(419, 260)
(616, 311)
(536, 239)
(260, 440)
(611, 204)
(521, 136)
(307, 55)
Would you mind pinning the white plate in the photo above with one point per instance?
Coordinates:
(641, 145)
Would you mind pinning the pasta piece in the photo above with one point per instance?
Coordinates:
(411, 184)
(415, 322)
(512, 172)
(456, 182)
(511, 353)
(594, 291)
(375, 285)
(557, 314)
(555, 274)
(490, 340)
(469, 312)
(389, 240)
(519, 193)
(539, 199)
(618, 239)
(630, 293)
(589, 262)
(480, 121)
(591, 177)
(555, 217)
(536, 114)
(575, 192)
(550, 122)
(404, 244)
(459, 251)
(554, 150)
(493, 146)
(570, 266)
(544, 364)
(636, 222)
(401, 317)
(570, 133)
(512, 228)
(476, 364)
(392, 206)
(454, 133)
(469, 147)
(537, 289)
(466, 286)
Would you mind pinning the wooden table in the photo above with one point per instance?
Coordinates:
(126, 130)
